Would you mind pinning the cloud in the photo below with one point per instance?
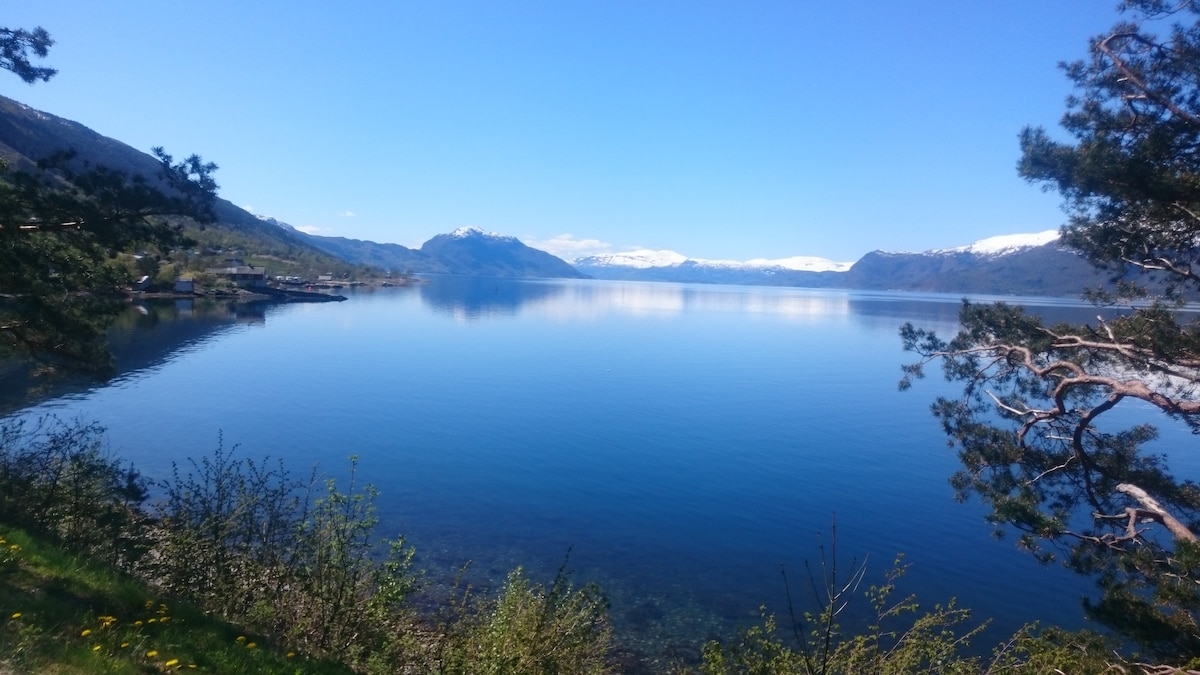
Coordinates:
(567, 247)
(348, 214)
(248, 207)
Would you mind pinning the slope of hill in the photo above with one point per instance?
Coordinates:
(28, 135)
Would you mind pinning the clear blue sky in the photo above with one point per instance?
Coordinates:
(717, 129)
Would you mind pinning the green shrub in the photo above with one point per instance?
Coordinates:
(59, 479)
(533, 629)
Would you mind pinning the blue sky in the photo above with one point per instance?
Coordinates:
(729, 130)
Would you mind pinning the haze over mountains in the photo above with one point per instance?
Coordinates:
(1009, 264)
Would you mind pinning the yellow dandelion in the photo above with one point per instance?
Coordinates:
(95, 648)
(152, 653)
(252, 645)
(14, 547)
(241, 638)
(164, 619)
(138, 623)
(291, 655)
(86, 632)
(192, 666)
(124, 645)
(149, 604)
(171, 664)
(16, 615)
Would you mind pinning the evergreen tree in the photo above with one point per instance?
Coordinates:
(1033, 426)
(16, 45)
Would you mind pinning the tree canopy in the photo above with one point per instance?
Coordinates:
(1034, 424)
(16, 46)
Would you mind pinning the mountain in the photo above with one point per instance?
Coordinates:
(389, 257)
(470, 250)
(1022, 264)
(467, 251)
(646, 265)
(1031, 264)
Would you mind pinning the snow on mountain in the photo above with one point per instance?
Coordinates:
(801, 263)
(1004, 244)
(472, 231)
(272, 221)
(640, 259)
(647, 259)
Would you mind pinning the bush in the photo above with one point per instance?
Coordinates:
(533, 629)
(250, 542)
(58, 479)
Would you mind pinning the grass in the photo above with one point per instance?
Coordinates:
(60, 614)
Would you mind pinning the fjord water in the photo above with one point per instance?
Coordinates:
(681, 441)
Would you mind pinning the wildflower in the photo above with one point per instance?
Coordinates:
(14, 547)
(86, 632)
(124, 645)
(291, 655)
(107, 621)
(138, 623)
(16, 615)
(152, 620)
(95, 648)
(164, 619)
(241, 638)
(149, 604)
(171, 664)
(252, 645)
(152, 653)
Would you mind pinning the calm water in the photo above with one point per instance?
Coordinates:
(683, 440)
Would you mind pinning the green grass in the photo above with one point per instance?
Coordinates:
(60, 615)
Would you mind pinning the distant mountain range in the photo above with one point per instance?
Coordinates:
(467, 251)
(1012, 264)
(1023, 264)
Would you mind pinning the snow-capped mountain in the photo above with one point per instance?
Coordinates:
(647, 259)
(470, 250)
(668, 265)
(472, 231)
(1009, 264)
(1004, 244)
(1021, 264)
(640, 259)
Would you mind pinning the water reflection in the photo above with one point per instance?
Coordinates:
(473, 298)
(148, 333)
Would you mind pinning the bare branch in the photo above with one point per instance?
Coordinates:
(1153, 509)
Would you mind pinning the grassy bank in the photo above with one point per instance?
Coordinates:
(61, 613)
